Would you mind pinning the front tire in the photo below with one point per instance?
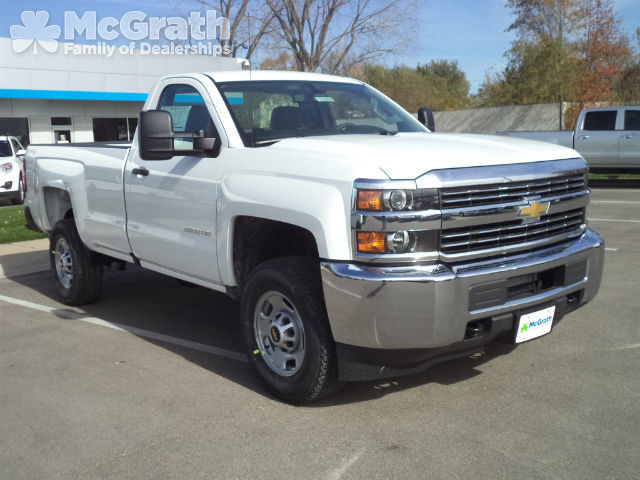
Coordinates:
(20, 195)
(286, 330)
(76, 270)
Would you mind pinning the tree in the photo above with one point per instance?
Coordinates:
(421, 87)
(605, 51)
(450, 82)
(566, 50)
(628, 85)
(542, 61)
(242, 14)
(333, 35)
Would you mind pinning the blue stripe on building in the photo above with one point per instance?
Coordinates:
(72, 95)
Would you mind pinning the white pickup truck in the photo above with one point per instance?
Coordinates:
(360, 245)
(608, 137)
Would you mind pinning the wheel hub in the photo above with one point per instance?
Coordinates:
(64, 263)
(279, 333)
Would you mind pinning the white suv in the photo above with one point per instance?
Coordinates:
(11, 169)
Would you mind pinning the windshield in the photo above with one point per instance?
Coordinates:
(266, 111)
(5, 149)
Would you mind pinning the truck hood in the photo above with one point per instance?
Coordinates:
(410, 155)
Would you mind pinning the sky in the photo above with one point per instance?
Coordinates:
(469, 31)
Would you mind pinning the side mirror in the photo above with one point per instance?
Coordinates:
(155, 140)
(21, 153)
(425, 117)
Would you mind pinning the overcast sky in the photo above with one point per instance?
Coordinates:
(470, 31)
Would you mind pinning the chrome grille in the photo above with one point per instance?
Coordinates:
(481, 237)
(461, 197)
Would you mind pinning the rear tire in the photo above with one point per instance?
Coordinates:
(286, 330)
(76, 270)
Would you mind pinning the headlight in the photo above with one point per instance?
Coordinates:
(6, 167)
(397, 242)
(396, 200)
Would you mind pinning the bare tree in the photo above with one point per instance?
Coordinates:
(334, 35)
(244, 17)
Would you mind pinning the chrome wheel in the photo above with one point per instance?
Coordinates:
(279, 333)
(64, 263)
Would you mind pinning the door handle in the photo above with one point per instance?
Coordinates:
(140, 171)
(627, 136)
(584, 137)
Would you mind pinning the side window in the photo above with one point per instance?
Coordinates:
(600, 120)
(632, 120)
(188, 112)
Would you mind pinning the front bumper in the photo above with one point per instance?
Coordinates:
(8, 187)
(436, 311)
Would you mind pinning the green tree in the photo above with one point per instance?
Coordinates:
(627, 88)
(421, 86)
(448, 80)
(566, 50)
(543, 63)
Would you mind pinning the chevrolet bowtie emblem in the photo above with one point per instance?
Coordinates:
(533, 210)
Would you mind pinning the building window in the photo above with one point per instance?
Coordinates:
(114, 129)
(15, 127)
(61, 121)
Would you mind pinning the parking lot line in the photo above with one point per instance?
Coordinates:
(613, 220)
(631, 202)
(140, 332)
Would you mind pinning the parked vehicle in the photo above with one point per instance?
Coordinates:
(607, 137)
(11, 169)
(359, 244)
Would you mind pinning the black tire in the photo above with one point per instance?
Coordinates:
(297, 280)
(19, 198)
(84, 268)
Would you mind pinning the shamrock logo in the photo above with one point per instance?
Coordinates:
(35, 31)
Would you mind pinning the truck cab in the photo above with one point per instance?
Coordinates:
(609, 137)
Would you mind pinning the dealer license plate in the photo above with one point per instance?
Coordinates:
(535, 324)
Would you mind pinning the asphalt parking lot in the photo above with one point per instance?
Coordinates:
(149, 383)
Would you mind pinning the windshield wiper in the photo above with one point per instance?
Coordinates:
(263, 143)
(383, 131)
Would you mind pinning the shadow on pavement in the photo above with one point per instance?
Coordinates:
(139, 299)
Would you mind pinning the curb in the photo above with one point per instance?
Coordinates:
(24, 258)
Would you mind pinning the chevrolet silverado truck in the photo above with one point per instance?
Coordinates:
(359, 244)
(11, 169)
(608, 138)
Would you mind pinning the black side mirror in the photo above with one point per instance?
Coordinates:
(155, 139)
(425, 117)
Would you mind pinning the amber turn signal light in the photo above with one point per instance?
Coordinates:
(371, 242)
(369, 200)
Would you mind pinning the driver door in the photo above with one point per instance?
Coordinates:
(171, 205)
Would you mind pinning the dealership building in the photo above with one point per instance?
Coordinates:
(63, 97)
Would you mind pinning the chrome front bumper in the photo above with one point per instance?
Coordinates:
(428, 307)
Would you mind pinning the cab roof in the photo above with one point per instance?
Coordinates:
(247, 75)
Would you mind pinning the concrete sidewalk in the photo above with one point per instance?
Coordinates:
(22, 258)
